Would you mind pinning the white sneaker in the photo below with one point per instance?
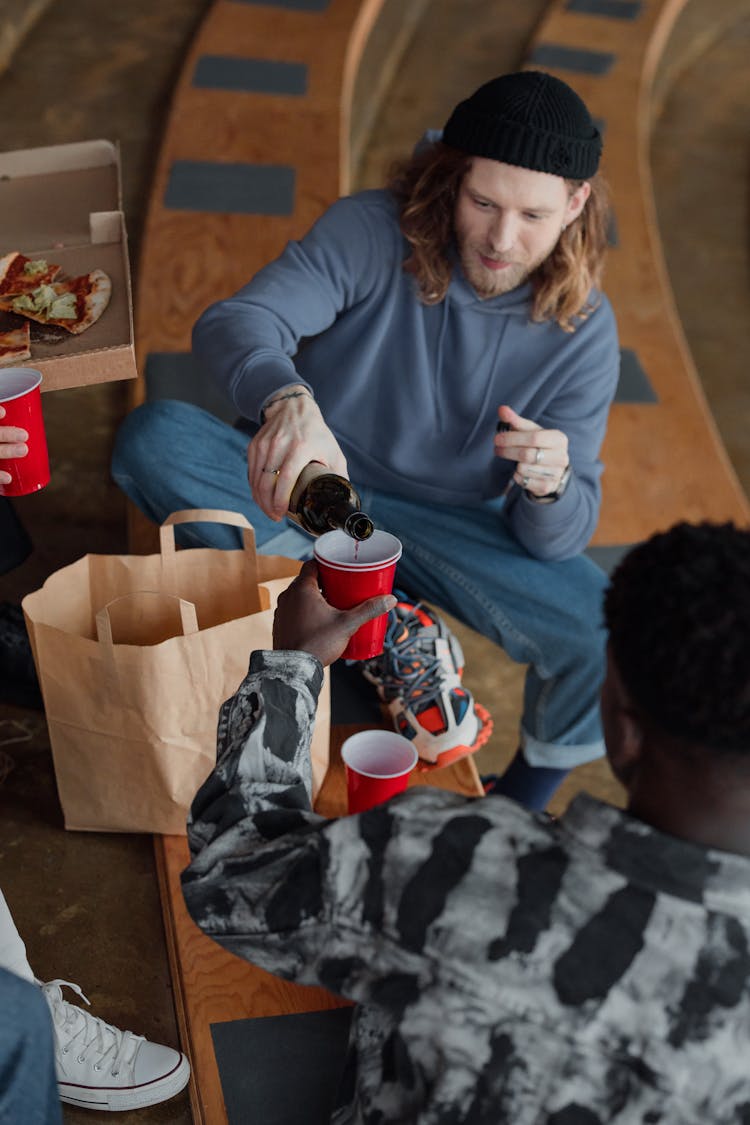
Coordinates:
(100, 1067)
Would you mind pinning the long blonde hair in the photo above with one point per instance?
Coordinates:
(426, 188)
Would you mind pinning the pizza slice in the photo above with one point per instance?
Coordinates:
(19, 274)
(15, 344)
(75, 303)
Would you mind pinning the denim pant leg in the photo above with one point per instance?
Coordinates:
(28, 1086)
(171, 455)
(546, 614)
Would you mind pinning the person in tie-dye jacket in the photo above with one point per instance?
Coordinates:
(507, 967)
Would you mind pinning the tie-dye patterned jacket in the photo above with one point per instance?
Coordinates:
(506, 968)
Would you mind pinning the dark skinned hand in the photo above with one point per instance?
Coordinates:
(304, 619)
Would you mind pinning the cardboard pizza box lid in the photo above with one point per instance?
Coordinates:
(64, 203)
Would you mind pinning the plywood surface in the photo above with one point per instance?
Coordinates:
(664, 461)
(190, 259)
(213, 986)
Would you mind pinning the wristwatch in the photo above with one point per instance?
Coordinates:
(551, 497)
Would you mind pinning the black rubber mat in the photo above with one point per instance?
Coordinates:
(257, 76)
(230, 189)
(282, 1070)
(611, 9)
(576, 59)
(634, 385)
(290, 5)
(608, 557)
(179, 375)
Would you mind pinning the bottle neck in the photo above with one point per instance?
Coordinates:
(358, 525)
(323, 500)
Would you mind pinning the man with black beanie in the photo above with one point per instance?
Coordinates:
(445, 343)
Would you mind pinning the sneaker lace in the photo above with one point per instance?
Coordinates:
(406, 670)
(91, 1035)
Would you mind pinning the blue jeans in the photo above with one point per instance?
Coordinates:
(171, 455)
(28, 1086)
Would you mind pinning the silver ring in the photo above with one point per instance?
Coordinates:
(275, 472)
(524, 482)
(539, 456)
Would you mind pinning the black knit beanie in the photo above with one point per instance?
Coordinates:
(529, 119)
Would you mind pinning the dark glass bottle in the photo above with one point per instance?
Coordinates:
(323, 501)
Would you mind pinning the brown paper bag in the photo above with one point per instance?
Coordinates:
(135, 654)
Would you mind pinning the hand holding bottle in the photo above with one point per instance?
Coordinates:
(324, 501)
(293, 434)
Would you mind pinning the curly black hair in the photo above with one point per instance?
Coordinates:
(678, 615)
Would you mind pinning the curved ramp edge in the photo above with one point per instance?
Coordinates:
(255, 147)
(664, 459)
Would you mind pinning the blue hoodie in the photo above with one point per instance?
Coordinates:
(411, 391)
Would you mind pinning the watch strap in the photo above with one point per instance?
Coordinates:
(551, 497)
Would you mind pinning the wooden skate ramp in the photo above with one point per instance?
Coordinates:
(257, 145)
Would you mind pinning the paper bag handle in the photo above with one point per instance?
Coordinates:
(188, 620)
(207, 515)
(188, 616)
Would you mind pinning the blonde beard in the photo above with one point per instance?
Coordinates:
(486, 283)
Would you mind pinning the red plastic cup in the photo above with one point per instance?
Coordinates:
(351, 572)
(378, 764)
(22, 400)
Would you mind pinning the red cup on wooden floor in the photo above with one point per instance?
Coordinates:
(352, 571)
(378, 764)
(22, 401)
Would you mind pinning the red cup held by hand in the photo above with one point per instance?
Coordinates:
(350, 572)
(22, 401)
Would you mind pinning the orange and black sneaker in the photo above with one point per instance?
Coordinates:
(418, 678)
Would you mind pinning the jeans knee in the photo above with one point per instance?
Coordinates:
(144, 438)
(588, 649)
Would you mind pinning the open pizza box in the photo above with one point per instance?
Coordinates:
(63, 203)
